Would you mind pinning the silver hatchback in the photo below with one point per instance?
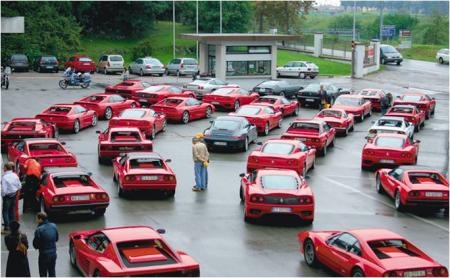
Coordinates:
(182, 66)
(146, 65)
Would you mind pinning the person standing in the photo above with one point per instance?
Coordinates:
(17, 264)
(201, 159)
(33, 171)
(10, 188)
(384, 104)
(323, 98)
(45, 238)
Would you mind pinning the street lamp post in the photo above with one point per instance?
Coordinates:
(173, 28)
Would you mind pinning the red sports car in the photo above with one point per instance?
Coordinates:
(72, 117)
(71, 190)
(389, 149)
(230, 97)
(283, 154)
(411, 114)
(184, 109)
(354, 104)
(276, 191)
(80, 63)
(263, 117)
(156, 93)
(279, 103)
(119, 140)
(374, 96)
(412, 186)
(424, 102)
(21, 128)
(127, 88)
(313, 133)
(337, 118)
(146, 119)
(367, 253)
(126, 252)
(137, 171)
(106, 105)
(49, 151)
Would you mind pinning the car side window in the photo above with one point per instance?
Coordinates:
(243, 92)
(175, 90)
(345, 241)
(396, 173)
(20, 146)
(269, 110)
(98, 242)
(80, 109)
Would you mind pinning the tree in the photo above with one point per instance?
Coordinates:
(436, 32)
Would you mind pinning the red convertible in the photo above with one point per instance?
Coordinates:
(279, 103)
(283, 154)
(21, 128)
(184, 109)
(423, 101)
(156, 93)
(230, 97)
(354, 104)
(276, 191)
(50, 152)
(263, 117)
(71, 190)
(146, 119)
(337, 118)
(127, 88)
(106, 105)
(367, 253)
(389, 149)
(374, 96)
(411, 114)
(313, 133)
(139, 171)
(72, 117)
(412, 186)
(126, 252)
(119, 140)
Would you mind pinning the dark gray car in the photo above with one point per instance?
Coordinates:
(309, 96)
(19, 62)
(277, 87)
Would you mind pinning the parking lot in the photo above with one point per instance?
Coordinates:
(210, 225)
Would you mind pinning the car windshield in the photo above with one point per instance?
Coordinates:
(172, 101)
(347, 101)
(226, 124)
(85, 59)
(388, 49)
(116, 58)
(248, 110)
(153, 62)
(48, 59)
(389, 122)
(145, 163)
(132, 113)
(412, 98)
(223, 91)
(154, 88)
(279, 182)
(278, 148)
(312, 87)
(189, 62)
(390, 142)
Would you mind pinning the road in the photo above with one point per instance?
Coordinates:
(209, 225)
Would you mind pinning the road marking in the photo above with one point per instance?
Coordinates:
(385, 203)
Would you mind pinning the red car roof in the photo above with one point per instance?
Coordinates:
(130, 233)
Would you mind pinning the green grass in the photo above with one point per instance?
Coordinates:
(422, 52)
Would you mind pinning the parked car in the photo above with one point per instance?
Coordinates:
(46, 63)
(389, 124)
(367, 253)
(338, 119)
(422, 101)
(110, 63)
(374, 96)
(106, 105)
(156, 93)
(147, 120)
(18, 62)
(300, 69)
(184, 109)
(309, 95)
(263, 117)
(277, 87)
(442, 55)
(230, 98)
(205, 85)
(127, 88)
(279, 103)
(354, 104)
(182, 66)
(81, 63)
(388, 54)
(147, 66)
(410, 113)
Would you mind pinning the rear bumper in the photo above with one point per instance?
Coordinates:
(371, 161)
(224, 144)
(304, 212)
(77, 208)
(146, 187)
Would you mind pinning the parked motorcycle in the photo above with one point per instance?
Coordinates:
(73, 79)
(6, 71)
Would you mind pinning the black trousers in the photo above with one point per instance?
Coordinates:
(29, 193)
(47, 265)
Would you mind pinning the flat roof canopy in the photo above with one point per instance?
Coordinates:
(238, 37)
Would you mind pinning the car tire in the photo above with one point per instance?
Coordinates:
(397, 201)
(108, 113)
(332, 142)
(208, 112)
(357, 272)
(301, 75)
(441, 61)
(346, 131)
(361, 119)
(164, 126)
(160, 74)
(236, 105)
(96, 273)
(324, 150)
(185, 117)
(280, 123)
(309, 252)
(304, 170)
(417, 128)
(266, 129)
(100, 212)
(72, 256)
(241, 193)
(352, 128)
(398, 63)
(94, 120)
(120, 191)
(141, 72)
(313, 165)
(246, 145)
(76, 126)
(378, 185)
(153, 135)
(105, 72)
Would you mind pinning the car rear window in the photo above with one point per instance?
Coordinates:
(146, 163)
(85, 59)
(125, 136)
(279, 182)
(115, 58)
(225, 124)
(390, 142)
(412, 98)
(389, 123)
(22, 126)
(330, 113)
(347, 101)
(422, 177)
(71, 181)
(48, 59)
(402, 109)
(278, 148)
(153, 62)
(245, 110)
(44, 147)
(172, 102)
(391, 248)
(266, 100)
(19, 58)
(59, 110)
(305, 126)
(189, 62)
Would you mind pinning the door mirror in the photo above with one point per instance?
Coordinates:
(416, 141)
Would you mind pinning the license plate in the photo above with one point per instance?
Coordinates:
(126, 148)
(220, 143)
(215, 102)
(276, 209)
(433, 194)
(301, 139)
(192, 87)
(86, 64)
(310, 99)
(418, 273)
(79, 198)
(149, 178)
(142, 100)
(386, 161)
(48, 67)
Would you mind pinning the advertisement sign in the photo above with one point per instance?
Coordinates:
(388, 31)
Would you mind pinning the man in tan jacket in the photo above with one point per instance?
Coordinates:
(200, 156)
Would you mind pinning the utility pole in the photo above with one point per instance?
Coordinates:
(220, 30)
(197, 27)
(381, 21)
(173, 27)
(354, 19)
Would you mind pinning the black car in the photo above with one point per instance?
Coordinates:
(46, 63)
(18, 62)
(230, 133)
(277, 87)
(309, 96)
(388, 54)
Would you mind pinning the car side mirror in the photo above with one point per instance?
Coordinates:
(161, 231)
(77, 237)
(242, 175)
(416, 141)
(63, 143)
(98, 131)
(259, 143)
(168, 160)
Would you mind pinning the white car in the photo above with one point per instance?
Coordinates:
(301, 69)
(205, 85)
(387, 124)
(442, 55)
(147, 65)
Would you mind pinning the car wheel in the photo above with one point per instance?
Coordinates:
(313, 165)
(346, 131)
(76, 126)
(246, 143)
(96, 273)
(105, 71)
(441, 61)
(185, 117)
(236, 105)
(141, 73)
(361, 119)
(332, 142)
(309, 253)
(120, 191)
(280, 123)
(428, 115)
(241, 193)
(108, 113)
(352, 128)
(417, 128)
(129, 70)
(266, 129)
(282, 94)
(164, 126)
(73, 258)
(100, 212)
(357, 272)
(397, 201)
(304, 170)
(301, 75)
(324, 150)
(378, 185)
(94, 120)
(153, 132)
(208, 112)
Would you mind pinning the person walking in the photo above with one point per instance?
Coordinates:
(201, 160)
(323, 97)
(17, 264)
(384, 104)
(45, 238)
(33, 171)
(10, 188)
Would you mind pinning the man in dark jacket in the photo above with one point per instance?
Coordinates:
(45, 238)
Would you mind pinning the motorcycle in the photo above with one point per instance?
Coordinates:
(73, 79)
(5, 77)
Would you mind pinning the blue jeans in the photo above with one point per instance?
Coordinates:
(8, 210)
(200, 175)
(47, 263)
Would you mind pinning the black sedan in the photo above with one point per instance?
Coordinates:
(230, 133)
(277, 87)
(309, 96)
(45, 63)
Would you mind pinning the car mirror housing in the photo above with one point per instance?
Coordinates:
(63, 143)
(161, 231)
(98, 131)
(259, 143)
(416, 141)
(242, 175)
(168, 160)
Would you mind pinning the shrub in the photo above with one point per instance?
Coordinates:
(142, 49)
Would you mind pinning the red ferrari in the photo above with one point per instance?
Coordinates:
(354, 104)
(119, 140)
(410, 113)
(80, 63)
(367, 253)
(126, 252)
(389, 149)
(374, 96)
(137, 171)
(127, 88)
(106, 105)
(313, 133)
(146, 119)
(283, 154)
(21, 128)
(156, 93)
(263, 117)
(230, 97)
(412, 186)
(71, 190)
(184, 109)
(72, 117)
(276, 191)
(423, 101)
(337, 118)
(279, 103)
(50, 152)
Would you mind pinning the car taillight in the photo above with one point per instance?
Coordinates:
(253, 159)
(305, 200)
(148, 67)
(406, 155)
(292, 162)
(414, 193)
(99, 196)
(181, 66)
(57, 199)
(169, 178)
(440, 271)
(130, 178)
(108, 64)
(257, 199)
